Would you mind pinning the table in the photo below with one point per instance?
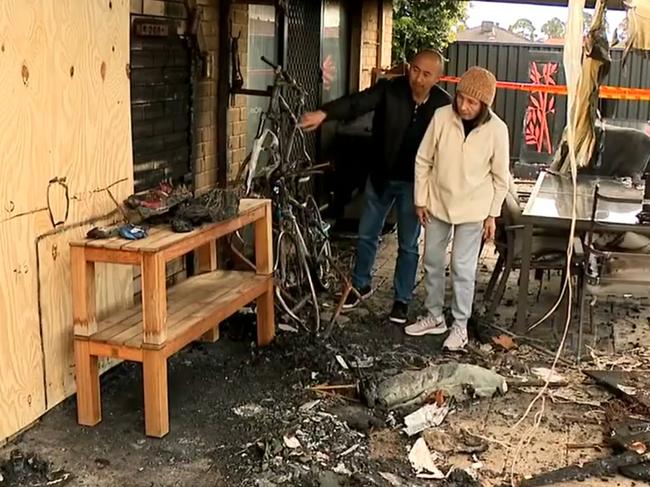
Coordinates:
(166, 320)
(550, 206)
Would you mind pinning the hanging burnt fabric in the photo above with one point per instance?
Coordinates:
(595, 66)
(638, 25)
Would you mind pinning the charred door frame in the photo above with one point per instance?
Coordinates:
(223, 93)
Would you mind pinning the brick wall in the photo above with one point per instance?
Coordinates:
(238, 109)
(204, 148)
(375, 45)
(387, 42)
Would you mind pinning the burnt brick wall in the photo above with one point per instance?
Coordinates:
(238, 110)
(163, 124)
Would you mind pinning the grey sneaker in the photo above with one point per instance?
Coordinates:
(457, 339)
(428, 325)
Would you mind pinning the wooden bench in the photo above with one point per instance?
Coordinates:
(165, 321)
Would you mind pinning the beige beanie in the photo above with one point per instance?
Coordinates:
(478, 83)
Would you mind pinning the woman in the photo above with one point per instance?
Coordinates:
(461, 180)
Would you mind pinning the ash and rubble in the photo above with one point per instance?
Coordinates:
(305, 410)
(331, 440)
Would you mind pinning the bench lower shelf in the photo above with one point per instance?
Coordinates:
(194, 307)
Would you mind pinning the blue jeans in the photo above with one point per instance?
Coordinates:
(375, 211)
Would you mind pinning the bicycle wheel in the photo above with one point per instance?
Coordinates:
(242, 172)
(319, 244)
(295, 290)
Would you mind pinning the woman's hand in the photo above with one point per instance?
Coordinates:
(489, 228)
(423, 215)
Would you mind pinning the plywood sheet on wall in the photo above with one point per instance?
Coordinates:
(65, 142)
(114, 291)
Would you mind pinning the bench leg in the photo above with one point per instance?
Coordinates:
(89, 410)
(211, 335)
(207, 257)
(265, 317)
(207, 262)
(156, 410)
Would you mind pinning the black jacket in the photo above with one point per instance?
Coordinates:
(392, 103)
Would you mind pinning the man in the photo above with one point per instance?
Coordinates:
(403, 108)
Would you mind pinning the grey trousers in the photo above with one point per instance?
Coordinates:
(464, 259)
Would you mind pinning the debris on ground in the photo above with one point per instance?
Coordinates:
(289, 328)
(426, 417)
(505, 342)
(461, 478)
(454, 441)
(248, 410)
(318, 442)
(423, 460)
(357, 418)
(26, 469)
(392, 479)
(629, 434)
(604, 467)
(458, 381)
(634, 386)
(291, 442)
(547, 375)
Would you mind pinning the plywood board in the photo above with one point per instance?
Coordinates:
(65, 142)
(22, 395)
(114, 292)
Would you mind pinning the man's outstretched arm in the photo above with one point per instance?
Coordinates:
(345, 108)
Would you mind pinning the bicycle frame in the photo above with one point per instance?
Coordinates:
(271, 123)
(303, 254)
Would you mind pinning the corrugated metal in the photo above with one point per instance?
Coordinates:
(508, 62)
(160, 104)
(511, 63)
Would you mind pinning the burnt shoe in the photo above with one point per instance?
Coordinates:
(399, 313)
(353, 300)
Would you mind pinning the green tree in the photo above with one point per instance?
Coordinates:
(554, 28)
(524, 28)
(588, 18)
(424, 24)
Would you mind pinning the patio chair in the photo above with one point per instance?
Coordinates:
(609, 271)
(548, 250)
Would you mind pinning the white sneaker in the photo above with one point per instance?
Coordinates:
(429, 325)
(457, 339)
